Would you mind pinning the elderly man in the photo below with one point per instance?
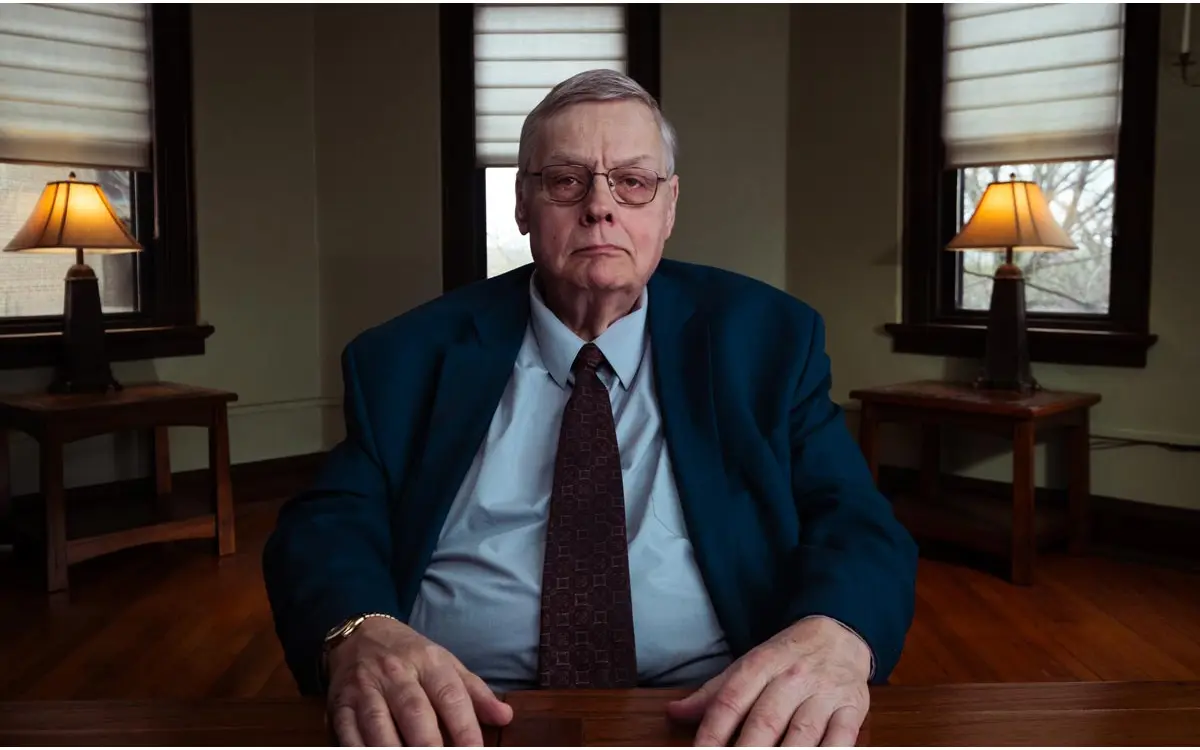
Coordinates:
(602, 470)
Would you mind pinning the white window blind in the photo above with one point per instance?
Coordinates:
(75, 84)
(522, 51)
(1028, 83)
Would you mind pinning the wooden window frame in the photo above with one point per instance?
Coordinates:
(464, 217)
(930, 322)
(166, 323)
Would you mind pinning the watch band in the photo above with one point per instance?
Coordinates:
(345, 628)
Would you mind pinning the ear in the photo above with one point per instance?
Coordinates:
(673, 198)
(522, 206)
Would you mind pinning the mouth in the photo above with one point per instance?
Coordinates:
(597, 250)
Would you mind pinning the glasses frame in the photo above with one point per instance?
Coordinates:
(659, 179)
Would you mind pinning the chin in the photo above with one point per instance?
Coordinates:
(607, 273)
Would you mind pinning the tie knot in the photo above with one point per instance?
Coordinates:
(589, 358)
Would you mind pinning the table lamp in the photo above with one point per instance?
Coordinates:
(1012, 216)
(75, 217)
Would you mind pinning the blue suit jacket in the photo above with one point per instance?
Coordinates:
(780, 506)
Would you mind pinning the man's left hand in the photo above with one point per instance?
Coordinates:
(805, 686)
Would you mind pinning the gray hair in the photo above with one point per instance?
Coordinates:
(593, 86)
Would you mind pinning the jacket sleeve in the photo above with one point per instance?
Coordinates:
(855, 562)
(329, 555)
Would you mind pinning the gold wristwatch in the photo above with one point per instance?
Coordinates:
(345, 628)
(339, 633)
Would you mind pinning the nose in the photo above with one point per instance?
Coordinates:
(599, 205)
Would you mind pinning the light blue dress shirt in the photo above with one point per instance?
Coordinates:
(481, 595)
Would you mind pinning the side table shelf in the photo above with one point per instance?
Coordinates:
(73, 533)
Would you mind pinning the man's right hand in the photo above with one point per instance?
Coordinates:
(389, 685)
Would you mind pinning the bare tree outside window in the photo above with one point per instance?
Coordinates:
(507, 248)
(1080, 194)
(32, 284)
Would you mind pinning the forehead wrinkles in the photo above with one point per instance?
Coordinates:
(614, 134)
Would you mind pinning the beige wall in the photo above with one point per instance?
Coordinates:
(790, 172)
(843, 252)
(725, 88)
(256, 211)
(378, 165)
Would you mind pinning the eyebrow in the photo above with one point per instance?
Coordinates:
(560, 157)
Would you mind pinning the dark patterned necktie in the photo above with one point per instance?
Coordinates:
(587, 611)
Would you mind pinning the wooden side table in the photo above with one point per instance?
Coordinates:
(934, 404)
(57, 419)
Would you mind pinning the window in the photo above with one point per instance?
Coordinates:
(1061, 94)
(1080, 194)
(520, 53)
(507, 248)
(498, 62)
(31, 286)
(102, 91)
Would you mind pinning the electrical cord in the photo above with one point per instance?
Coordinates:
(1104, 442)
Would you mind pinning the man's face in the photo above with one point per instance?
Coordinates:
(597, 244)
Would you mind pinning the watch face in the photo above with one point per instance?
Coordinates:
(343, 629)
(338, 629)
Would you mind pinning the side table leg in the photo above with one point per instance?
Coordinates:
(1023, 532)
(56, 516)
(868, 432)
(162, 468)
(931, 460)
(1079, 487)
(218, 462)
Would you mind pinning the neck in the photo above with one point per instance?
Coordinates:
(588, 313)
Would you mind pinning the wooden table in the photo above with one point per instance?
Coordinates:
(934, 405)
(57, 419)
(1082, 713)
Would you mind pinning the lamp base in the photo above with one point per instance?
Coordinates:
(1024, 388)
(1006, 363)
(84, 366)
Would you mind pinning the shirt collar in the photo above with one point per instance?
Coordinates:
(622, 344)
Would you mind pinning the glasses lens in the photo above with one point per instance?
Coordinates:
(566, 184)
(633, 185)
(569, 184)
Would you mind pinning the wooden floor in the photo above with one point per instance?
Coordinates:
(174, 621)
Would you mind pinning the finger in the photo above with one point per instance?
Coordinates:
(691, 708)
(772, 713)
(489, 708)
(809, 722)
(414, 715)
(843, 727)
(375, 723)
(453, 706)
(729, 705)
(345, 727)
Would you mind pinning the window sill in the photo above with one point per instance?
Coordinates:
(1102, 348)
(25, 350)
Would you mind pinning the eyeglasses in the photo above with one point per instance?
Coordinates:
(568, 183)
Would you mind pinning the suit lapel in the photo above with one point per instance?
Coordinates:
(474, 373)
(680, 340)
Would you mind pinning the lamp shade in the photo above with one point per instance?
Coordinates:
(1014, 215)
(71, 215)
